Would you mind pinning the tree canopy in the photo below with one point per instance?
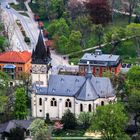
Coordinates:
(110, 120)
(20, 104)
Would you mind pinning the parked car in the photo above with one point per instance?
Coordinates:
(129, 65)
(8, 6)
(123, 65)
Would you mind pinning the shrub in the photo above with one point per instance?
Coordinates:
(69, 120)
(27, 39)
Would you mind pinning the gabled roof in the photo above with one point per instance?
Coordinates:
(15, 57)
(80, 87)
(41, 54)
(6, 127)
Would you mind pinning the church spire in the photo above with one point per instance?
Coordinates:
(89, 72)
(41, 54)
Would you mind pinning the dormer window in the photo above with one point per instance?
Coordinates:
(53, 90)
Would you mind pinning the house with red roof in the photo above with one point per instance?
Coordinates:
(14, 63)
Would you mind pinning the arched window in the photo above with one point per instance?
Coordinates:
(53, 102)
(68, 103)
(89, 108)
(102, 103)
(81, 108)
(40, 101)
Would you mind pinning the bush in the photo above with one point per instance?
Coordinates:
(27, 39)
(69, 120)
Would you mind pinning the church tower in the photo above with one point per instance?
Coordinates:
(41, 62)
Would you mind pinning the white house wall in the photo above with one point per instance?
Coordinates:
(59, 110)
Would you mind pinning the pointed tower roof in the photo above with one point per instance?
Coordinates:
(41, 54)
(89, 72)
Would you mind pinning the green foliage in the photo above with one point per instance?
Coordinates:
(2, 42)
(39, 130)
(69, 120)
(110, 120)
(59, 28)
(133, 79)
(134, 104)
(85, 119)
(20, 104)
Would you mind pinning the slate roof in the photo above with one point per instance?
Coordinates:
(15, 57)
(81, 87)
(99, 59)
(41, 53)
(6, 127)
(102, 57)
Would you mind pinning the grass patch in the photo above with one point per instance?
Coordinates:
(24, 14)
(69, 133)
(18, 7)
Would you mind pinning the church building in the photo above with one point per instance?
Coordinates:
(56, 94)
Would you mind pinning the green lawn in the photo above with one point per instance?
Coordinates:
(24, 14)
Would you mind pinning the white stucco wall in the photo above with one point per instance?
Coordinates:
(59, 110)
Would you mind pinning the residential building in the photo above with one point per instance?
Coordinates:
(14, 63)
(100, 63)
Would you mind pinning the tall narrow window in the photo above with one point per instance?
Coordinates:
(102, 103)
(40, 101)
(53, 102)
(68, 103)
(89, 108)
(81, 108)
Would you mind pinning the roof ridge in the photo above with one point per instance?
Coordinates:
(20, 55)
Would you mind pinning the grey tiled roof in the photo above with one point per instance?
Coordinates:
(6, 127)
(80, 87)
(102, 57)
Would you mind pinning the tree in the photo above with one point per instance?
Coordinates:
(76, 8)
(74, 41)
(110, 120)
(118, 82)
(69, 120)
(39, 130)
(99, 11)
(133, 29)
(59, 28)
(132, 4)
(99, 33)
(85, 26)
(133, 79)
(2, 41)
(16, 133)
(85, 119)
(134, 104)
(20, 104)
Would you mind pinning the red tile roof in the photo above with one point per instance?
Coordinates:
(16, 57)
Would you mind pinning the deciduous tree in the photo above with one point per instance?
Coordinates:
(20, 104)
(39, 130)
(99, 11)
(69, 120)
(110, 120)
